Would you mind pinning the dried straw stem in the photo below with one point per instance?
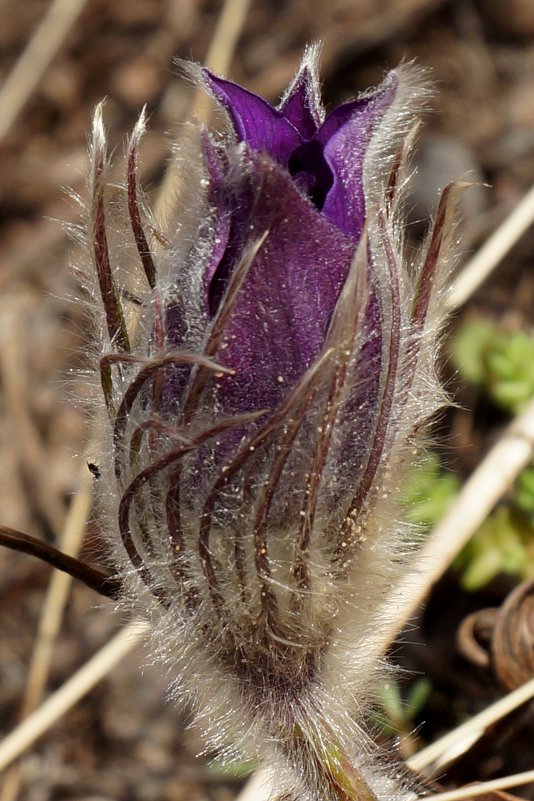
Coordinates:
(57, 594)
(492, 252)
(34, 61)
(459, 740)
(483, 788)
(69, 693)
(480, 493)
(218, 59)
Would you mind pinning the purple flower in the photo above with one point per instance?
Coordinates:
(301, 176)
(263, 410)
(324, 156)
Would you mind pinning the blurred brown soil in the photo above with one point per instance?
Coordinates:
(123, 742)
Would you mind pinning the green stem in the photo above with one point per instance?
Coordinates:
(338, 772)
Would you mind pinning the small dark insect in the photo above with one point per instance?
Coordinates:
(94, 469)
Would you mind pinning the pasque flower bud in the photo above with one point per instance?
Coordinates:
(262, 413)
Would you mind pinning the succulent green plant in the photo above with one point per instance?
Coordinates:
(504, 543)
(499, 362)
(399, 709)
(429, 492)
(524, 493)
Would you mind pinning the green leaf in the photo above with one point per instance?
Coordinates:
(400, 711)
(417, 697)
(524, 493)
(428, 492)
(231, 770)
(391, 701)
(469, 347)
(504, 543)
(501, 363)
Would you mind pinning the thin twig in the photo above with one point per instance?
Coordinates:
(492, 252)
(96, 578)
(57, 594)
(51, 618)
(481, 788)
(34, 61)
(459, 740)
(97, 668)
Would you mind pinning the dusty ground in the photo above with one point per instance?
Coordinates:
(123, 742)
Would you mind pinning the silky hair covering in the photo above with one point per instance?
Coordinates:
(266, 363)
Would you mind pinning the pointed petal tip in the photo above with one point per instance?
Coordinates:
(301, 103)
(254, 120)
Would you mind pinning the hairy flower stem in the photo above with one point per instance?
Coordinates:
(323, 758)
(345, 781)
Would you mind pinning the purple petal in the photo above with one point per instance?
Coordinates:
(223, 204)
(345, 136)
(255, 121)
(285, 304)
(301, 106)
(231, 198)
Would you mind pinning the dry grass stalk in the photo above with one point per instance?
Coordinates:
(218, 59)
(480, 493)
(492, 252)
(473, 790)
(34, 61)
(459, 740)
(26, 441)
(52, 616)
(69, 693)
